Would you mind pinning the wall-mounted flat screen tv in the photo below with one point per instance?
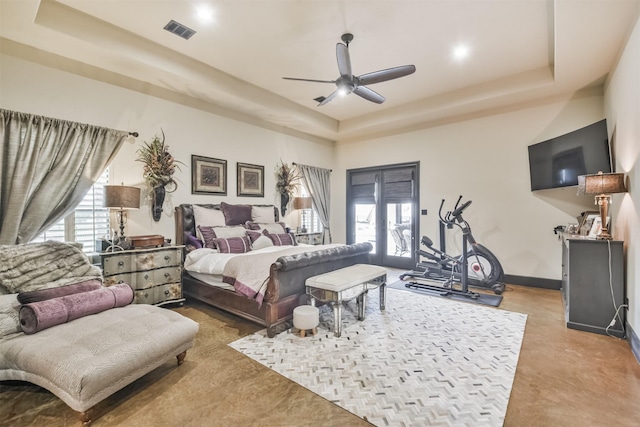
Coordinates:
(557, 162)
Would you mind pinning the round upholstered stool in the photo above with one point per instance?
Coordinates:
(306, 317)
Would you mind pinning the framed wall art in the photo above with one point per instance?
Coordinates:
(208, 175)
(250, 180)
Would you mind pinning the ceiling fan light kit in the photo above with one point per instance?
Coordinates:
(348, 83)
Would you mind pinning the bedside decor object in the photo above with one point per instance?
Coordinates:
(122, 198)
(602, 185)
(143, 242)
(302, 204)
(250, 180)
(208, 175)
(286, 179)
(159, 167)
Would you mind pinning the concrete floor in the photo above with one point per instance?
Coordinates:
(564, 378)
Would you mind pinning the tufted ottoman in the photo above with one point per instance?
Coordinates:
(88, 359)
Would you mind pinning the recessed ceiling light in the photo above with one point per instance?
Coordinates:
(460, 52)
(204, 12)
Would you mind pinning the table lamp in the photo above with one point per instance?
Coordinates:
(602, 185)
(122, 198)
(302, 203)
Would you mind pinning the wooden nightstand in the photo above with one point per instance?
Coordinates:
(309, 238)
(155, 274)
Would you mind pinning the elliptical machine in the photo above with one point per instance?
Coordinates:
(477, 266)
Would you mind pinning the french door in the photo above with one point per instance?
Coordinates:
(382, 209)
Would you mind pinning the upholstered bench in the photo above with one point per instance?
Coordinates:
(88, 359)
(345, 284)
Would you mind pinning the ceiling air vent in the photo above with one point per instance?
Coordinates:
(319, 99)
(179, 30)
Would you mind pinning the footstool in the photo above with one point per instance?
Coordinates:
(345, 284)
(306, 317)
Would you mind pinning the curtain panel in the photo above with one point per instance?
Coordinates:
(47, 165)
(318, 182)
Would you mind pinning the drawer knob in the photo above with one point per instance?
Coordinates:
(146, 276)
(167, 257)
(146, 295)
(166, 293)
(166, 275)
(120, 263)
(120, 282)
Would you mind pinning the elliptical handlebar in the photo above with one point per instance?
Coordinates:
(451, 217)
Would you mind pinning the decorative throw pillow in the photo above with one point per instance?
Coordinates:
(236, 214)
(9, 320)
(281, 239)
(208, 217)
(190, 239)
(210, 234)
(263, 214)
(60, 291)
(261, 243)
(233, 245)
(271, 227)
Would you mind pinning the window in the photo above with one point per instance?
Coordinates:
(88, 223)
(309, 217)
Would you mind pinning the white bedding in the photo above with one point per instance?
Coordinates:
(247, 272)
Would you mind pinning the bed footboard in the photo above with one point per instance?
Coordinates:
(289, 273)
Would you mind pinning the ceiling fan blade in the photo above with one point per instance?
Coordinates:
(328, 98)
(369, 94)
(384, 75)
(309, 80)
(344, 61)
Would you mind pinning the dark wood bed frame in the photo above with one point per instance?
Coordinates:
(286, 286)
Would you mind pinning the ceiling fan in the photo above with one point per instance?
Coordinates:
(348, 83)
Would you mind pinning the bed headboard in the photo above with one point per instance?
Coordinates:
(186, 223)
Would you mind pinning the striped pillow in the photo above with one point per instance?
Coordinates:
(209, 234)
(281, 239)
(233, 245)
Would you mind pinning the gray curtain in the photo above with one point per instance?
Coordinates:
(46, 167)
(318, 182)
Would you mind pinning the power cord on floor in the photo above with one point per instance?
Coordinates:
(613, 300)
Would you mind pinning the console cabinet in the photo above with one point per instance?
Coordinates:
(155, 274)
(593, 284)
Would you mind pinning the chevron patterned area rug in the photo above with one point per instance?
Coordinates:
(423, 361)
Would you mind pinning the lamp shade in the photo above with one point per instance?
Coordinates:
(302, 203)
(601, 183)
(121, 197)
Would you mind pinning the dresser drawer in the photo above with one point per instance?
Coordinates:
(157, 259)
(116, 279)
(116, 264)
(145, 296)
(171, 291)
(167, 275)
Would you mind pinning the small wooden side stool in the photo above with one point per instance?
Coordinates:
(306, 317)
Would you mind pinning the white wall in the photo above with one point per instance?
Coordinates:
(33, 88)
(622, 106)
(485, 160)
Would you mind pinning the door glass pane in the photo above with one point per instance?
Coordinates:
(366, 224)
(399, 225)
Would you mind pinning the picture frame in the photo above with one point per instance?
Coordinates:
(208, 175)
(586, 222)
(250, 180)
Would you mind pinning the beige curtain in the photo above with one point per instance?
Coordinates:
(318, 182)
(46, 167)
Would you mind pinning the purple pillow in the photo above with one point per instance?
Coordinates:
(281, 239)
(40, 315)
(254, 235)
(193, 241)
(236, 214)
(60, 291)
(233, 245)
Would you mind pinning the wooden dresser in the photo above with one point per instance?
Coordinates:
(155, 274)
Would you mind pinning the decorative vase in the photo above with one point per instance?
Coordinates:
(158, 200)
(284, 202)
